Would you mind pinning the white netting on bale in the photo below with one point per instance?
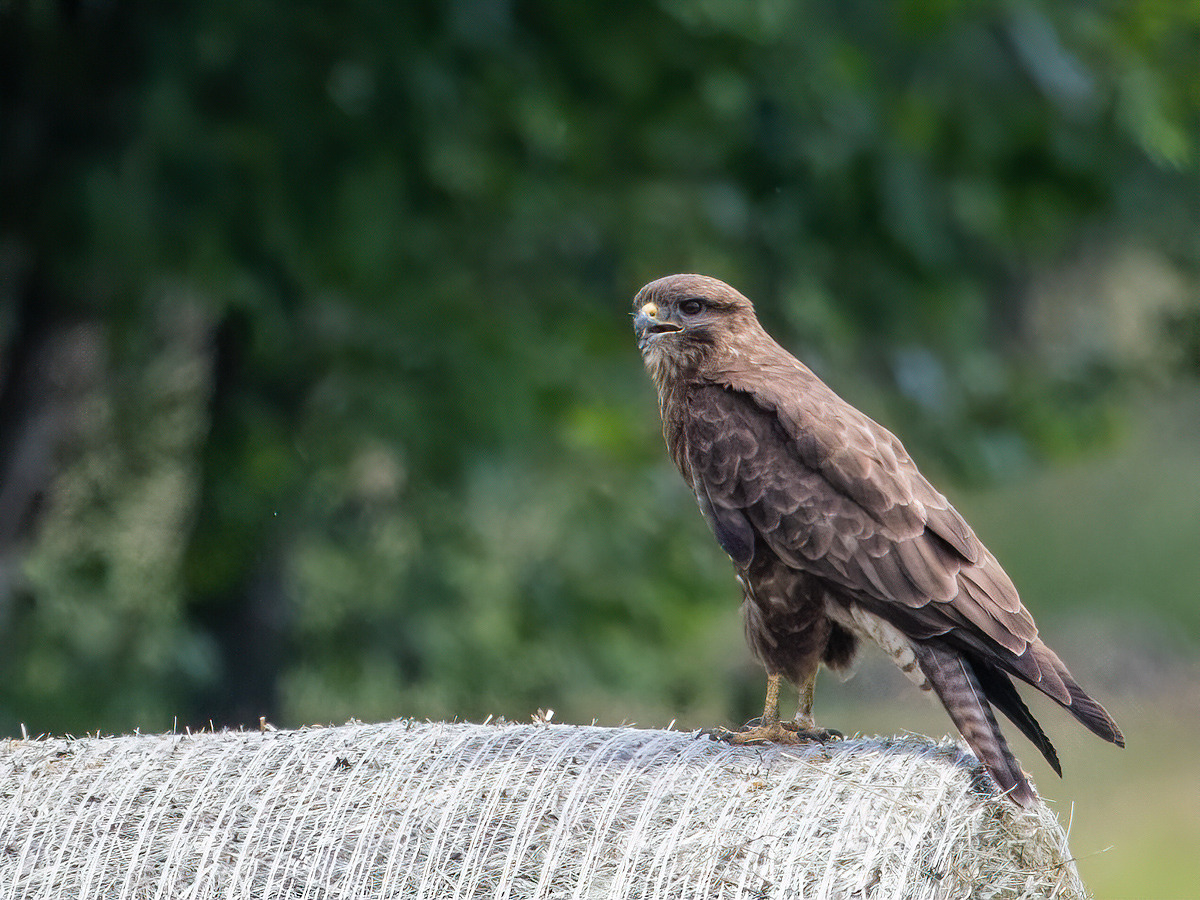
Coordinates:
(512, 811)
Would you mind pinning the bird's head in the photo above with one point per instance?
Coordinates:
(684, 322)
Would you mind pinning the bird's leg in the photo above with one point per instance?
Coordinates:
(756, 731)
(769, 729)
(803, 723)
(807, 693)
(770, 714)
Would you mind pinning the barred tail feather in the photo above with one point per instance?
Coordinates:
(953, 679)
(999, 690)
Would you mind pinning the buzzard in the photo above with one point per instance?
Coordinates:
(835, 535)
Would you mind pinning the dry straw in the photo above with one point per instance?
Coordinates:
(439, 810)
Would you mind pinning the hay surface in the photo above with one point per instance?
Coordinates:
(512, 811)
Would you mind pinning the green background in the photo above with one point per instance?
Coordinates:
(319, 399)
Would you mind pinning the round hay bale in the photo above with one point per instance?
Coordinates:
(408, 809)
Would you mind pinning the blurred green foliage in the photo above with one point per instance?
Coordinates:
(360, 429)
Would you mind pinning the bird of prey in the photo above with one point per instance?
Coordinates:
(835, 535)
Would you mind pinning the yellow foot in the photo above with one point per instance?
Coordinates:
(754, 732)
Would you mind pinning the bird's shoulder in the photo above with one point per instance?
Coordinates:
(794, 417)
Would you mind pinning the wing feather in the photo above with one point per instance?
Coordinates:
(875, 528)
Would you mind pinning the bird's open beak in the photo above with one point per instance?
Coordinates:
(646, 324)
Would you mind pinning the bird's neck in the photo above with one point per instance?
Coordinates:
(750, 349)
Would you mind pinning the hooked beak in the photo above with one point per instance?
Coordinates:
(647, 325)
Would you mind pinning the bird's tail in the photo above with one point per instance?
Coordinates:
(1040, 667)
(953, 679)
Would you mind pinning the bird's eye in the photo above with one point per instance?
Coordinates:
(691, 307)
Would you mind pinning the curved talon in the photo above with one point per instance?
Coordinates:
(820, 735)
(755, 732)
(823, 735)
(778, 733)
